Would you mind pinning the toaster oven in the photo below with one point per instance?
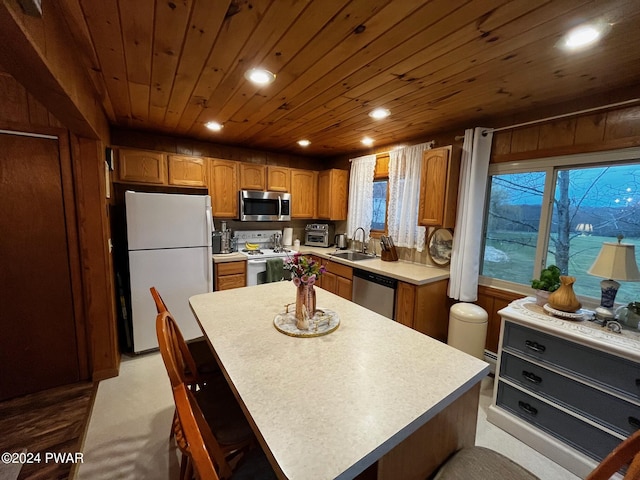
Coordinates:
(318, 235)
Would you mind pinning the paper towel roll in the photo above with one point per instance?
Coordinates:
(287, 236)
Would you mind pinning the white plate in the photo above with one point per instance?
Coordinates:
(579, 315)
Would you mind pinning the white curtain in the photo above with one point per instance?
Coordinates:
(405, 166)
(360, 212)
(467, 239)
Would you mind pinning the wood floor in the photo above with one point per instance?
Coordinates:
(51, 421)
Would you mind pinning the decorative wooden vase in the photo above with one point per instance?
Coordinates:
(305, 305)
(564, 298)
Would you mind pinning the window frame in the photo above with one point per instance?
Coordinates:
(551, 166)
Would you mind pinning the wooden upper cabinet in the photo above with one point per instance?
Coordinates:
(140, 166)
(438, 188)
(382, 166)
(332, 194)
(223, 188)
(278, 179)
(304, 187)
(187, 171)
(252, 176)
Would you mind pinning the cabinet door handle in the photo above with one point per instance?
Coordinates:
(532, 377)
(634, 422)
(535, 346)
(525, 407)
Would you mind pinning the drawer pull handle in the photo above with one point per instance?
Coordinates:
(535, 346)
(634, 422)
(525, 407)
(532, 377)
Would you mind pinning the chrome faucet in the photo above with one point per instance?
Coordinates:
(364, 246)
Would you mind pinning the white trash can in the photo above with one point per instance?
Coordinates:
(468, 328)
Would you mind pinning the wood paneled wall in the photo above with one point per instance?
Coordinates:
(20, 111)
(19, 107)
(606, 130)
(197, 148)
(40, 53)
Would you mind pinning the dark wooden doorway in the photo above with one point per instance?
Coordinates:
(38, 340)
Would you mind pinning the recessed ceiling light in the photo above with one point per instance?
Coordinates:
(214, 126)
(379, 113)
(583, 36)
(259, 76)
(367, 141)
(304, 143)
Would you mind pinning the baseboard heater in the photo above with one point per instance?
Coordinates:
(491, 358)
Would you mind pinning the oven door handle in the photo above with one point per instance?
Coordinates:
(256, 261)
(279, 207)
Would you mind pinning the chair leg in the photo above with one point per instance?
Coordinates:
(184, 464)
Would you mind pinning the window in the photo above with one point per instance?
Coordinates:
(379, 221)
(560, 212)
(380, 195)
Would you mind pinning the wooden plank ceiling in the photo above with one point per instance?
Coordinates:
(172, 65)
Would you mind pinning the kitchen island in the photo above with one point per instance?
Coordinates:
(373, 395)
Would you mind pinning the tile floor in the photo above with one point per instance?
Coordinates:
(129, 429)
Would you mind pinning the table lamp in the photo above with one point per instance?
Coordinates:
(616, 261)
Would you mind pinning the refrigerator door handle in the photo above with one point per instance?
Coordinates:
(209, 259)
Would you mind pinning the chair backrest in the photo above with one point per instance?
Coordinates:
(627, 453)
(201, 446)
(167, 328)
(160, 305)
(176, 356)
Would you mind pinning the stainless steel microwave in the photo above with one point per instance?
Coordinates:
(256, 206)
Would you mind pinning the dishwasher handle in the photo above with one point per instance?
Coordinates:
(376, 278)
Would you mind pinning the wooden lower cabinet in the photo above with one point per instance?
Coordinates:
(230, 275)
(493, 300)
(337, 279)
(424, 308)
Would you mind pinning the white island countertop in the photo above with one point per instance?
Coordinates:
(330, 406)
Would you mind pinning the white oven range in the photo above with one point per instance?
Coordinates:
(270, 246)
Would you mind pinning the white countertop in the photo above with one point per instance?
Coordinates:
(414, 273)
(228, 257)
(327, 407)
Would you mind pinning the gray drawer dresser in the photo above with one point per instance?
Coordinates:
(568, 388)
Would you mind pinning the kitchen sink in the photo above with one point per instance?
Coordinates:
(353, 256)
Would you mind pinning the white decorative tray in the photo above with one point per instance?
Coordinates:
(579, 315)
(323, 322)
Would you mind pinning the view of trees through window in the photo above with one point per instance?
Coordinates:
(590, 206)
(379, 205)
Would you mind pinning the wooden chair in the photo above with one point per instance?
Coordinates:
(207, 459)
(627, 453)
(480, 463)
(221, 410)
(196, 357)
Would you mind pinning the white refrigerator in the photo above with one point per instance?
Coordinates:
(169, 247)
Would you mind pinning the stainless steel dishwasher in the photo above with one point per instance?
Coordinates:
(375, 292)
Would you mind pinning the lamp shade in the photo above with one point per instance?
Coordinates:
(616, 261)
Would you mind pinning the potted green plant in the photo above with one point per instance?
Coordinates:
(548, 282)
